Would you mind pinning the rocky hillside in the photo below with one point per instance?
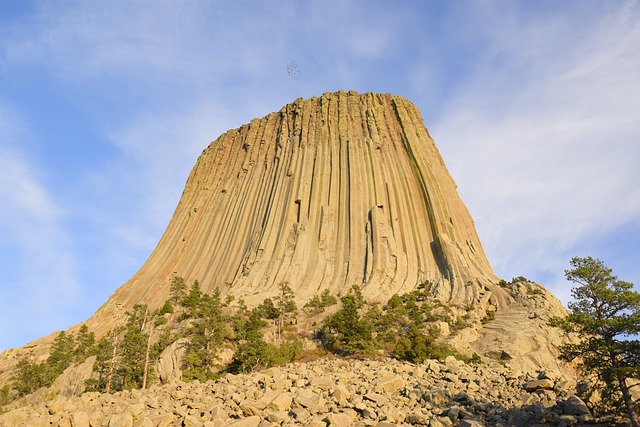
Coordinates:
(333, 392)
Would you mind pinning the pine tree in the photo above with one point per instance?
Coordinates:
(191, 300)
(134, 345)
(28, 377)
(60, 357)
(285, 306)
(104, 365)
(347, 330)
(606, 317)
(84, 343)
(177, 289)
(208, 332)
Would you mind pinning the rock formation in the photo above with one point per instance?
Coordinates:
(329, 192)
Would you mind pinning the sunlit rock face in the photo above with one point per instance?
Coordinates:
(329, 192)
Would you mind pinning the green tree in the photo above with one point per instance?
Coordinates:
(254, 353)
(325, 299)
(286, 307)
(28, 377)
(209, 332)
(177, 289)
(268, 310)
(192, 298)
(167, 308)
(134, 348)
(606, 317)
(85, 342)
(60, 357)
(104, 364)
(348, 330)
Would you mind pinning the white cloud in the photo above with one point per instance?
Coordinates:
(41, 283)
(535, 113)
(548, 157)
(156, 152)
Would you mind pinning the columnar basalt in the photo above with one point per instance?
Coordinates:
(329, 192)
(333, 192)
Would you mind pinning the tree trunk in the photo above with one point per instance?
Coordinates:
(628, 402)
(146, 362)
(112, 366)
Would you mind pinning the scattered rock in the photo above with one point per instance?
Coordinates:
(363, 393)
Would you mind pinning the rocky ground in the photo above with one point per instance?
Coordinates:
(332, 392)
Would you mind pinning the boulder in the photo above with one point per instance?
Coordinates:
(390, 384)
(575, 406)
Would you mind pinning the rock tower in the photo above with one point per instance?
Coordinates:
(329, 192)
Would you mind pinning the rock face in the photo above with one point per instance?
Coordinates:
(329, 192)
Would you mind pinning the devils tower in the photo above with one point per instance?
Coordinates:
(329, 192)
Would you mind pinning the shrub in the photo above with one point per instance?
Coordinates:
(324, 300)
(347, 330)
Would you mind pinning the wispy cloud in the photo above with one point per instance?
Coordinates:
(533, 107)
(550, 157)
(41, 285)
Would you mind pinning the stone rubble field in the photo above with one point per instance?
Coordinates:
(331, 392)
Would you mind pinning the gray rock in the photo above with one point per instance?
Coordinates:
(390, 384)
(576, 406)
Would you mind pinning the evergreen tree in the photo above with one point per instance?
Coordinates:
(417, 346)
(133, 350)
(208, 332)
(255, 353)
(325, 299)
(268, 310)
(85, 342)
(28, 377)
(286, 307)
(167, 308)
(192, 298)
(60, 357)
(103, 366)
(177, 289)
(606, 317)
(347, 330)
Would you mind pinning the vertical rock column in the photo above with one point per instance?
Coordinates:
(329, 192)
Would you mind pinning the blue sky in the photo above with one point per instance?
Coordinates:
(106, 105)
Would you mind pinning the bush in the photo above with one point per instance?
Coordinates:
(167, 308)
(322, 301)
(257, 354)
(347, 330)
